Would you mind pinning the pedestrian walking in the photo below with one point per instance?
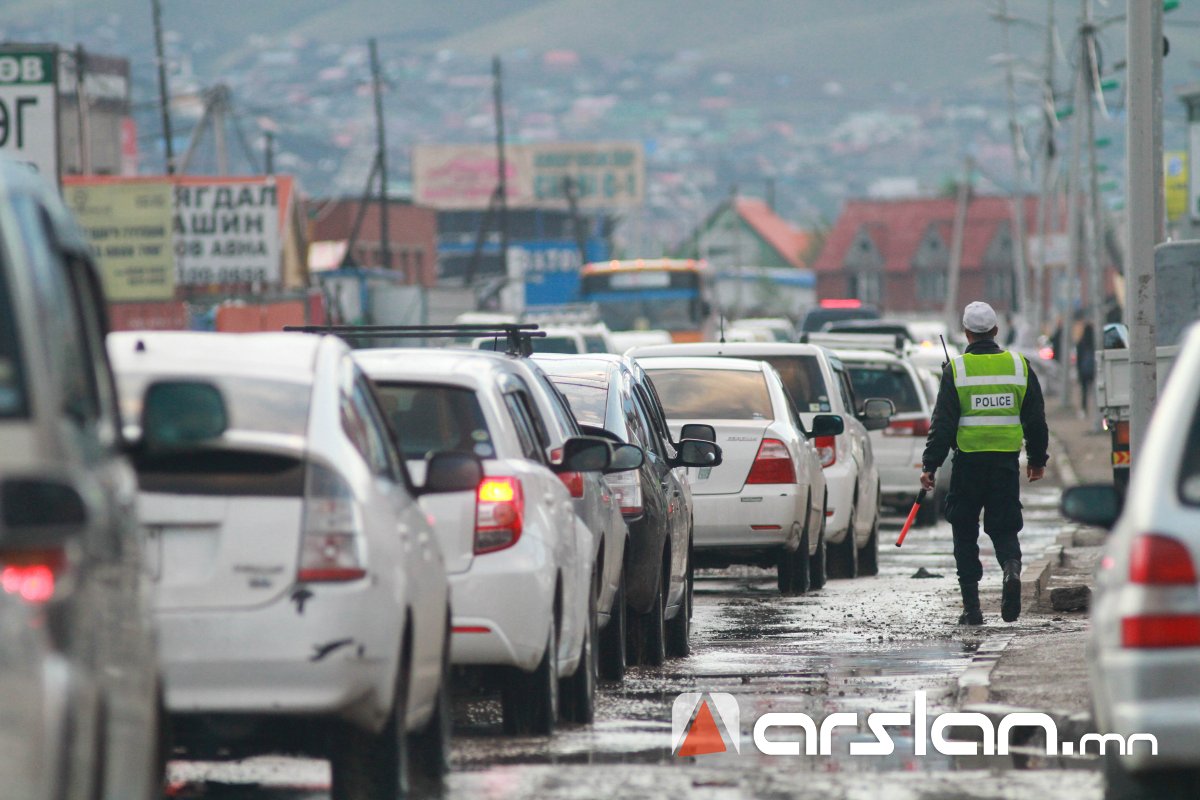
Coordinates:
(1085, 364)
(988, 402)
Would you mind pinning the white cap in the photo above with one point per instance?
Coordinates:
(979, 317)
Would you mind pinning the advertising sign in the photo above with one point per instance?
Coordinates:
(29, 107)
(601, 175)
(1175, 183)
(129, 227)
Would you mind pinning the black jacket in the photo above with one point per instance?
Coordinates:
(944, 430)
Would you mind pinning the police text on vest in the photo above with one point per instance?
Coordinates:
(990, 402)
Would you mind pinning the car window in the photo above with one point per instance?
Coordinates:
(12, 384)
(654, 405)
(594, 343)
(885, 380)
(429, 418)
(1189, 471)
(849, 397)
(654, 442)
(383, 436)
(255, 405)
(559, 407)
(519, 413)
(802, 377)
(588, 403)
(712, 393)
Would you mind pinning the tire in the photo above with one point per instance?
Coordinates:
(868, 554)
(430, 749)
(162, 746)
(375, 766)
(578, 691)
(612, 638)
(816, 563)
(679, 628)
(530, 699)
(647, 635)
(842, 557)
(1119, 784)
(793, 570)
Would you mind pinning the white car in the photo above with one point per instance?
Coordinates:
(520, 562)
(818, 384)
(33, 714)
(765, 502)
(564, 339)
(1144, 646)
(296, 580)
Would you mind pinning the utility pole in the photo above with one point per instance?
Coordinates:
(164, 99)
(1143, 160)
(962, 200)
(269, 151)
(1049, 169)
(81, 106)
(1075, 249)
(218, 106)
(385, 253)
(501, 164)
(1095, 255)
(1018, 155)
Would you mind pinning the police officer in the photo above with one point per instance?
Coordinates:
(988, 402)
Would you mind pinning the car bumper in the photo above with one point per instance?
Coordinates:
(325, 656)
(503, 607)
(767, 516)
(1156, 693)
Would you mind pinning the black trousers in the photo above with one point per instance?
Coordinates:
(987, 483)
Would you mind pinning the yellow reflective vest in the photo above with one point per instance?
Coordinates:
(991, 388)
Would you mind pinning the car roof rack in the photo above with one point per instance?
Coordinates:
(518, 337)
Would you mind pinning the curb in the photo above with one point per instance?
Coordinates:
(1062, 463)
(975, 681)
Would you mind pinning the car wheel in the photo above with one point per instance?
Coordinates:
(816, 564)
(1120, 784)
(374, 766)
(530, 699)
(647, 635)
(793, 571)
(868, 554)
(431, 747)
(162, 746)
(679, 629)
(612, 638)
(578, 691)
(842, 557)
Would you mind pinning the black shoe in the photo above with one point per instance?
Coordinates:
(1010, 600)
(972, 615)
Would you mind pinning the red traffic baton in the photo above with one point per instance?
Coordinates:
(912, 515)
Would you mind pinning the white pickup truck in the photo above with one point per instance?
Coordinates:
(1113, 393)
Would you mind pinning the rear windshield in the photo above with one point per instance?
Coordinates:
(547, 344)
(891, 382)
(429, 418)
(254, 405)
(802, 377)
(594, 343)
(12, 389)
(589, 404)
(712, 393)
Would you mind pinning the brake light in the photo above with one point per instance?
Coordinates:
(907, 427)
(499, 513)
(773, 464)
(573, 481)
(841, 302)
(31, 574)
(1158, 560)
(331, 543)
(826, 449)
(1161, 630)
(627, 488)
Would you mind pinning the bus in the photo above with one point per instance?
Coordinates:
(671, 294)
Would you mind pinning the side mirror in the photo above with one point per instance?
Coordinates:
(1092, 504)
(696, 430)
(625, 457)
(178, 414)
(585, 454)
(36, 513)
(827, 425)
(451, 472)
(698, 453)
(877, 413)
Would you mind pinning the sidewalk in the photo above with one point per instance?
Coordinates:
(1042, 663)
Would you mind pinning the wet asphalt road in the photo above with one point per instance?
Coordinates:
(855, 646)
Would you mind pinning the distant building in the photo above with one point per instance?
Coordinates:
(895, 254)
(745, 231)
(412, 238)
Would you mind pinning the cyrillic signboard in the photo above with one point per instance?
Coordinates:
(227, 230)
(1175, 183)
(29, 107)
(603, 175)
(129, 226)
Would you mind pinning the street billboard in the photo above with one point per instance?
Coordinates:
(1175, 183)
(29, 107)
(602, 175)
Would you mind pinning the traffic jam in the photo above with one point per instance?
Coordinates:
(686, 529)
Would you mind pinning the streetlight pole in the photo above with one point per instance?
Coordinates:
(1018, 154)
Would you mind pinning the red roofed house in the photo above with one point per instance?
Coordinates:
(746, 232)
(895, 254)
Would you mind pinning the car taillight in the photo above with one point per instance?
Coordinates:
(31, 574)
(826, 449)
(499, 513)
(331, 542)
(907, 427)
(1158, 560)
(573, 481)
(773, 464)
(1161, 630)
(627, 488)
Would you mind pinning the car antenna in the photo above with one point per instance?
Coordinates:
(722, 317)
(945, 363)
